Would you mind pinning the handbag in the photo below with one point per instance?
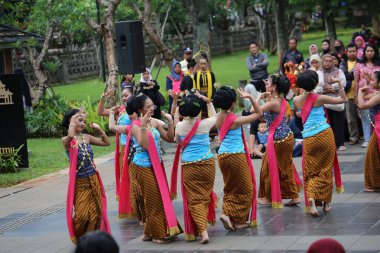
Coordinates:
(335, 107)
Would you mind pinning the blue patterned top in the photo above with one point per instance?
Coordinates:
(283, 130)
(315, 123)
(85, 167)
(232, 143)
(373, 111)
(198, 149)
(123, 120)
(141, 156)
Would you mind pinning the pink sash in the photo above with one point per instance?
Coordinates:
(104, 225)
(306, 109)
(272, 159)
(229, 120)
(377, 129)
(117, 160)
(176, 83)
(161, 181)
(125, 207)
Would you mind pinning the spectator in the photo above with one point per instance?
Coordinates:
(313, 49)
(262, 137)
(336, 60)
(298, 139)
(340, 50)
(315, 62)
(257, 64)
(291, 55)
(150, 87)
(188, 81)
(204, 78)
(173, 81)
(97, 242)
(128, 82)
(326, 49)
(363, 72)
(351, 108)
(360, 43)
(328, 84)
(249, 88)
(326, 245)
(187, 56)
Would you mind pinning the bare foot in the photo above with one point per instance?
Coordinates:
(312, 209)
(141, 223)
(241, 225)
(326, 207)
(226, 222)
(263, 201)
(146, 238)
(205, 238)
(293, 202)
(161, 241)
(369, 190)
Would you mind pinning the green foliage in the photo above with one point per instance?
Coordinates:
(45, 120)
(52, 66)
(10, 162)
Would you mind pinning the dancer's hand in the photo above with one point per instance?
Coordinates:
(81, 113)
(243, 93)
(146, 118)
(167, 116)
(95, 126)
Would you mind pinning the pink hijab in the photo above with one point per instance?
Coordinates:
(360, 52)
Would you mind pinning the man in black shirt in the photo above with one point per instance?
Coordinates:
(291, 55)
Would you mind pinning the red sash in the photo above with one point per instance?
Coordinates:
(117, 159)
(222, 133)
(306, 109)
(377, 129)
(272, 159)
(104, 225)
(161, 181)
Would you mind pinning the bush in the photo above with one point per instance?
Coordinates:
(10, 162)
(45, 120)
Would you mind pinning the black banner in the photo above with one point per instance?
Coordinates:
(12, 122)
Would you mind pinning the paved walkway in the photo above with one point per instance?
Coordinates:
(32, 217)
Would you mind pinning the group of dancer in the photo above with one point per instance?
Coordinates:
(142, 187)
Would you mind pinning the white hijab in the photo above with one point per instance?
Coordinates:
(142, 80)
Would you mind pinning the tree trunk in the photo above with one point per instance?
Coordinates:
(280, 29)
(201, 28)
(329, 21)
(36, 63)
(375, 21)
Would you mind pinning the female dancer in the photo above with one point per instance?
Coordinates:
(278, 177)
(198, 166)
(319, 153)
(123, 119)
(85, 191)
(160, 220)
(234, 160)
(372, 160)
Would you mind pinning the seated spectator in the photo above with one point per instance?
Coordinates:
(262, 137)
(298, 139)
(97, 242)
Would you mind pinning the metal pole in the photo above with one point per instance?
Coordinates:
(101, 44)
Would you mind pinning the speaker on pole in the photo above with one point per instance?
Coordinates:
(130, 47)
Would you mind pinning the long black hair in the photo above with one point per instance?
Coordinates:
(376, 59)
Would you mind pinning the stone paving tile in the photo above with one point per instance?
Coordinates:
(367, 242)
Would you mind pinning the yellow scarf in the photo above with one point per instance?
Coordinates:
(209, 82)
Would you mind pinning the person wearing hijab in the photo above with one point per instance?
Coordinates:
(360, 43)
(150, 87)
(313, 49)
(173, 81)
(315, 62)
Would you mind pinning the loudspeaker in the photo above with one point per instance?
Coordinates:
(130, 47)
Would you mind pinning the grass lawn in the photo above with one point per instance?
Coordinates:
(48, 156)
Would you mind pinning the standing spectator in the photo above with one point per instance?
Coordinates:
(257, 65)
(340, 50)
(315, 62)
(150, 87)
(325, 47)
(313, 49)
(363, 72)
(128, 82)
(173, 81)
(291, 55)
(360, 43)
(351, 108)
(188, 81)
(329, 80)
(204, 78)
(187, 56)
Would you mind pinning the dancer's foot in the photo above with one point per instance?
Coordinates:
(312, 209)
(326, 207)
(205, 238)
(226, 222)
(264, 201)
(146, 238)
(161, 241)
(240, 225)
(371, 189)
(293, 202)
